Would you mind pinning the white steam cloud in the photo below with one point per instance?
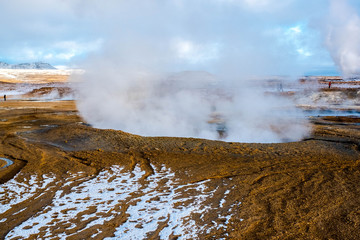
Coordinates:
(343, 37)
(187, 104)
(182, 68)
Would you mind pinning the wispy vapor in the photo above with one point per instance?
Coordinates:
(343, 37)
(167, 69)
(163, 67)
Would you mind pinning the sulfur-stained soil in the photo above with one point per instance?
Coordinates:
(300, 190)
(72, 181)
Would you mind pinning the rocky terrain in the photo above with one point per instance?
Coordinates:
(63, 179)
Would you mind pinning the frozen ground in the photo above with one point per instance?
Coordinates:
(31, 75)
(138, 208)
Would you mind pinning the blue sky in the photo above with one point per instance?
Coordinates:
(276, 36)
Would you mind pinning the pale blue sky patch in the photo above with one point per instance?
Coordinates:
(62, 52)
(297, 36)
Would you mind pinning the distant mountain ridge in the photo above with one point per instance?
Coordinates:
(34, 65)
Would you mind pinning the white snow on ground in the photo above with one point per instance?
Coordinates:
(15, 73)
(94, 192)
(18, 192)
(223, 200)
(167, 206)
(160, 203)
(7, 74)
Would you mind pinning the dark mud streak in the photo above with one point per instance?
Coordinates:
(218, 177)
(145, 163)
(343, 141)
(81, 160)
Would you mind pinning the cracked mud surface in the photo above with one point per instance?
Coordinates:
(71, 181)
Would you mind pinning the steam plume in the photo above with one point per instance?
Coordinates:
(167, 69)
(343, 37)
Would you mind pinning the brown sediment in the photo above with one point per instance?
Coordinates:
(342, 119)
(299, 190)
(10, 171)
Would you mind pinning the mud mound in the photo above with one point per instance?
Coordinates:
(47, 90)
(53, 92)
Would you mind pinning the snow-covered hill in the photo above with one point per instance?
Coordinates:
(35, 65)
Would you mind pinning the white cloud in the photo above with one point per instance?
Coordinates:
(62, 30)
(58, 52)
(295, 30)
(79, 47)
(304, 52)
(298, 40)
(64, 56)
(67, 50)
(195, 52)
(260, 5)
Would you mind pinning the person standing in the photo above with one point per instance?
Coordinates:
(4, 97)
(329, 84)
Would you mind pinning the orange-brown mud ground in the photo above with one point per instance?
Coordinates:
(172, 188)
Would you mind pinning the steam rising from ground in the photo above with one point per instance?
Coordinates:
(168, 69)
(189, 104)
(343, 37)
